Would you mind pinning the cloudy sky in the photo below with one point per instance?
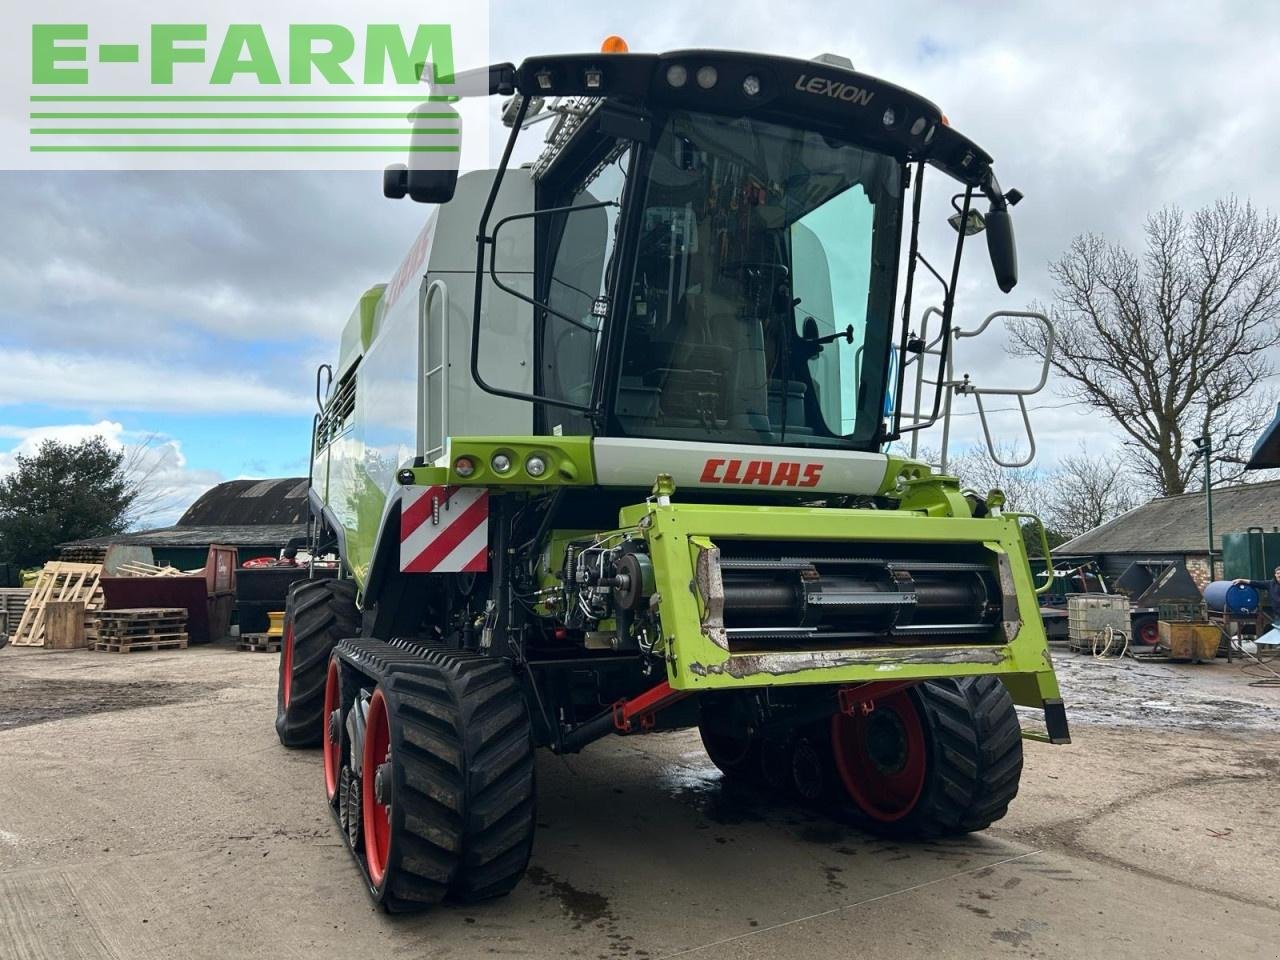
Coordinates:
(194, 308)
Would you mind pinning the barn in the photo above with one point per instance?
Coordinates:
(1176, 528)
(258, 517)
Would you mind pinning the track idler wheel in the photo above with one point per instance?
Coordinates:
(334, 736)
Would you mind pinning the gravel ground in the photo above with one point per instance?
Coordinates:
(147, 811)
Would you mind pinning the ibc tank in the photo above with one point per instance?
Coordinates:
(1223, 596)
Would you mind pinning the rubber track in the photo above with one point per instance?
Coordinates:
(322, 612)
(464, 789)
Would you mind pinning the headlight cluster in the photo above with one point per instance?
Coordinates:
(707, 77)
(503, 463)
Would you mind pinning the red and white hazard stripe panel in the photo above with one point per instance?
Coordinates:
(444, 530)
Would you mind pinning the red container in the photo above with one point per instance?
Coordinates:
(207, 596)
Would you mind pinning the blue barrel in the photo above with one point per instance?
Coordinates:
(1223, 596)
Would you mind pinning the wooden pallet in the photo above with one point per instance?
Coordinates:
(61, 582)
(259, 643)
(137, 568)
(141, 624)
(131, 646)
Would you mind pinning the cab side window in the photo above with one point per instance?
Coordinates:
(580, 276)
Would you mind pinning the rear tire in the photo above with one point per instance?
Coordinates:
(454, 814)
(737, 757)
(317, 615)
(727, 730)
(942, 758)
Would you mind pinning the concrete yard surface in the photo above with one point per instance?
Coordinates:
(148, 811)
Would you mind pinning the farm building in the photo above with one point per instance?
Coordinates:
(258, 517)
(1176, 528)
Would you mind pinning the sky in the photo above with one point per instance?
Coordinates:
(190, 310)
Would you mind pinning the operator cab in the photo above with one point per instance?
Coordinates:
(717, 244)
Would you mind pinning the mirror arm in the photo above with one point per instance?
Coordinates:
(991, 190)
(493, 253)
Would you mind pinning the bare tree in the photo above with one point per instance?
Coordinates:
(1086, 490)
(1172, 345)
(143, 467)
(1023, 487)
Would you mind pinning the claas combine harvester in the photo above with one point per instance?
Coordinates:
(609, 455)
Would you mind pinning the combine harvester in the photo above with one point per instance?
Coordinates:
(607, 456)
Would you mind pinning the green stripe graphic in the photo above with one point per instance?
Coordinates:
(418, 98)
(230, 131)
(237, 148)
(303, 115)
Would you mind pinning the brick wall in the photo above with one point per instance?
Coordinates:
(1198, 567)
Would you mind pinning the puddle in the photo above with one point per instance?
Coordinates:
(583, 906)
(718, 799)
(29, 700)
(1190, 696)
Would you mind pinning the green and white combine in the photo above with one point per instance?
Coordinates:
(607, 456)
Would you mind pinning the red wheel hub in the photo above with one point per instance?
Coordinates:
(332, 733)
(375, 815)
(880, 755)
(286, 653)
(1149, 633)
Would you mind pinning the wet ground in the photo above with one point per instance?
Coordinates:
(157, 817)
(1202, 696)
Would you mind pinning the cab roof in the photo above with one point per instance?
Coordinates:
(819, 95)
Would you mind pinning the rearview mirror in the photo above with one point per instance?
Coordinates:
(423, 186)
(423, 180)
(1001, 247)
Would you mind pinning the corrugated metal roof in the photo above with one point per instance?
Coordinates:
(231, 535)
(238, 513)
(1180, 525)
(243, 502)
(1266, 452)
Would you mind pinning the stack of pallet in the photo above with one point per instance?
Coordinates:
(143, 628)
(59, 582)
(268, 642)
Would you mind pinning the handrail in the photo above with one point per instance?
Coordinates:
(1048, 351)
(328, 385)
(965, 387)
(1044, 545)
(433, 288)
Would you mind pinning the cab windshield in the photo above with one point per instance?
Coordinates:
(763, 292)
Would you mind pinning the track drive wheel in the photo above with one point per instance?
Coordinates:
(447, 783)
(317, 615)
(940, 758)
